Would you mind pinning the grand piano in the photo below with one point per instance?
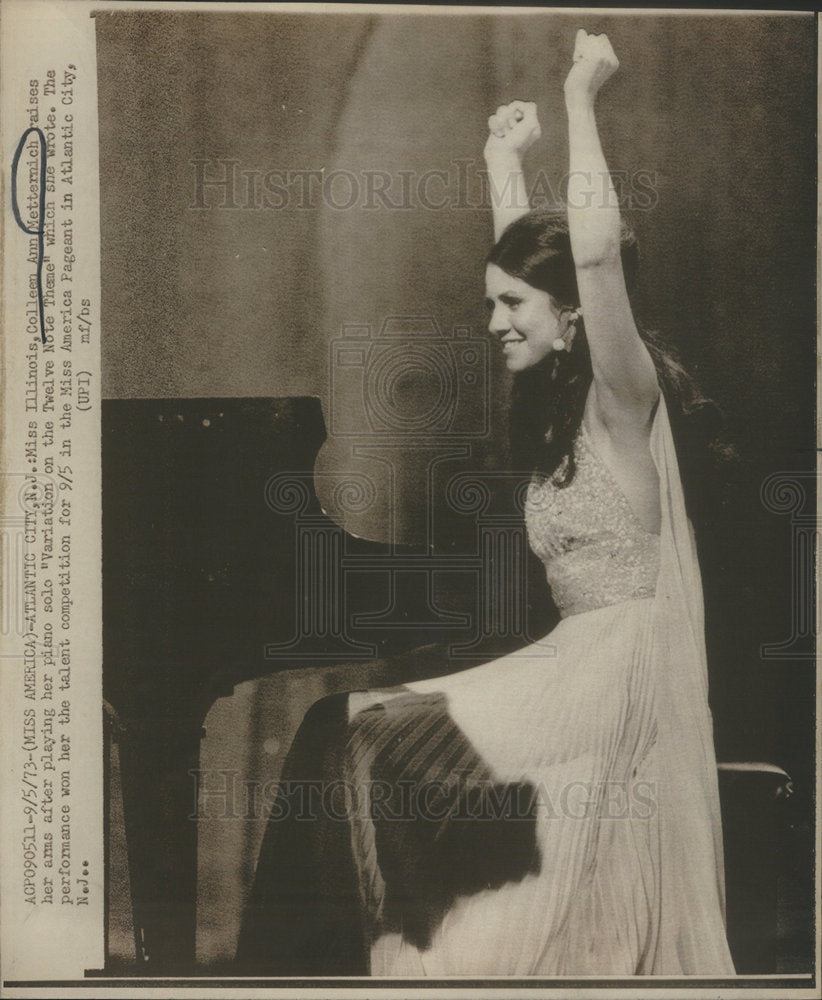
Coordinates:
(219, 566)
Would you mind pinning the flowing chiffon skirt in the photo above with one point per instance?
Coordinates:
(606, 721)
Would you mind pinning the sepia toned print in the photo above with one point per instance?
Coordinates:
(433, 421)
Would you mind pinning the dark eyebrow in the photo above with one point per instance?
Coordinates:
(503, 297)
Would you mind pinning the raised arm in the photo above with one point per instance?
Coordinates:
(625, 383)
(512, 131)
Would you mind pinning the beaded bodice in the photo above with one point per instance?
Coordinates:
(595, 550)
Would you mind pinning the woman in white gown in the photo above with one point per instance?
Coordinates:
(606, 719)
(562, 816)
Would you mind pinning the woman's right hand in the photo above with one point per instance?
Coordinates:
(513, 129)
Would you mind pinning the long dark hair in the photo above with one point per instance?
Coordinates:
(548, 399)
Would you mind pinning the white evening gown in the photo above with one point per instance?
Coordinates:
(607, 719)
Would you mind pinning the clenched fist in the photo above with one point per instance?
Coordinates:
(513, 129)
(594, 63)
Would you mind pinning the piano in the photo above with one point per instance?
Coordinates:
(219, 566)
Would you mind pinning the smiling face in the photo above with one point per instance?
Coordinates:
(526, 319)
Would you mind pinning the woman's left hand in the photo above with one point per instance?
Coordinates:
(594, 63)
(512, 131)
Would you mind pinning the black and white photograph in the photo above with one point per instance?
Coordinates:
(452, 412)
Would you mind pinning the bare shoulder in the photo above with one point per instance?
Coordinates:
(623, 415)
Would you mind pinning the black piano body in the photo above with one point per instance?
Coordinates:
(219, 566)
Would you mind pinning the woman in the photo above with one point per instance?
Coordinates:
(559, 811)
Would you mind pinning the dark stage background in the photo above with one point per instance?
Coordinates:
(202, 299)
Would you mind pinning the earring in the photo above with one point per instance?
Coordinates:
(560, 344)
